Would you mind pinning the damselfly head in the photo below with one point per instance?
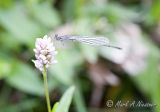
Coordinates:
(56, 36)
(58, 41)
(59, 38)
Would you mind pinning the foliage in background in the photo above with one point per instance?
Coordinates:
(22, 21)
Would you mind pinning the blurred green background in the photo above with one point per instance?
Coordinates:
(99, 74)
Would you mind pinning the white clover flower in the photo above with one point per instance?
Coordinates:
(44, 52)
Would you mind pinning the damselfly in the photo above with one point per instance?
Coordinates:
(96, 41)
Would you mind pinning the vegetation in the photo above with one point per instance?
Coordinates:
(98, 74)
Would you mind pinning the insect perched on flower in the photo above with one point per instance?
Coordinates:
(44, 52)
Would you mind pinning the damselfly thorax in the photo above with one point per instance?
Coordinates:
(95, 41)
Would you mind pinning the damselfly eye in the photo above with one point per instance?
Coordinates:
(56, 36)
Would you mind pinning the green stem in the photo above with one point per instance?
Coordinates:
(46, 89)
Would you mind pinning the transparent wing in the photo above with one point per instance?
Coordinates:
(98, 41)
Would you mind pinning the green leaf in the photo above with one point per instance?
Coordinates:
(55, 107)
(155, 10)
(25, 79)
(21, 26)
(24, 105)
(149, 81)
(118, 13)
(5, 66)
(6, 3)
(64, 70)
(90, 53)
(45, 14)
(79, 101)
(66, 100)
(8, 42)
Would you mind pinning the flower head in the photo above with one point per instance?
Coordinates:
(44, 53)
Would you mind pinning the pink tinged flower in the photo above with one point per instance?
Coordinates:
(38, 65)
(44, 52)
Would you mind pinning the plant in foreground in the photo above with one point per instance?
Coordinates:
(45, 56)
(44, 53)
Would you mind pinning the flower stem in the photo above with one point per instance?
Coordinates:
(46, 89)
